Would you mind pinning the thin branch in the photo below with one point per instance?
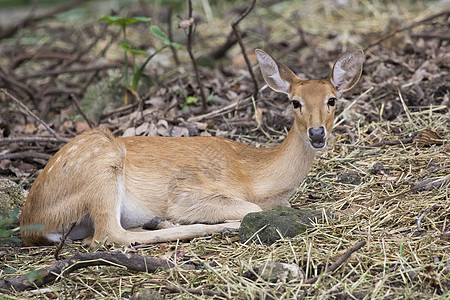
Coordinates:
(60, 268)
(222, 50)
(22, 155)
(29, 112)
(169, 32)
(63, 239)
(234, 25)
(426, 35)
(388, 36)
(15, 84)
(88, 48)
(191, 55)
(72, 71)
(28, 21)
(34, 139)
(174, 289)
(391, 143)
(333, 267)
(77, 105)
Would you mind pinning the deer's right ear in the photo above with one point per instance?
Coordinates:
(278, 76)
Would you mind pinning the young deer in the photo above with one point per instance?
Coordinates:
(107, 186)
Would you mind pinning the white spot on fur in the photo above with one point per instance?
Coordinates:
(84, 157)
(73, 148)
(50, 169)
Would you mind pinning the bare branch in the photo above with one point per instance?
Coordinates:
(339, 261)
(29, 112)
(49, 274)
(77, 105)
(191, 55)
(34, 139)
(234, 25)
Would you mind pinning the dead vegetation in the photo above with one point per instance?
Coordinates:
(385, 175)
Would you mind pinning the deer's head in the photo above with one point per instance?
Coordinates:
(313, 101)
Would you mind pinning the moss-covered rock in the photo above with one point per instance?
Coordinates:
(281, 222)
(11, 196)
(350, 177)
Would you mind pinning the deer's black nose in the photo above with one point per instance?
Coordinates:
(317, 137)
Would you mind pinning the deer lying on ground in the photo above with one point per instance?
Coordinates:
(103, 186)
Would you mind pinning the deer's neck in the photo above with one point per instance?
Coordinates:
(283, 171)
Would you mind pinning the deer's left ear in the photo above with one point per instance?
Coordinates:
(347, 71)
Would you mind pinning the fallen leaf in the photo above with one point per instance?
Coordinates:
(447, 148)
(131, 131)
(142, 129)
(185, 24)
(427, 137)
(162, 127)
(178, 131)
(81, 126)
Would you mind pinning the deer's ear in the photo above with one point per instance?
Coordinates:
(277, 75)
(347, 71)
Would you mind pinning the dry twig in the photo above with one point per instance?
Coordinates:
(66, 6)
(234, 25)
(29, 112)
(333, 267)
(191, 55)
(22, 155)
(34, 139)
(426, 20)
(63, 239)
(63, 267)
(77, 105)
(174, 289)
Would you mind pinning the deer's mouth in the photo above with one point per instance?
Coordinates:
(318, 143)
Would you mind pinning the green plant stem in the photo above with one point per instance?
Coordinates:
(126, 56)
(138, 73)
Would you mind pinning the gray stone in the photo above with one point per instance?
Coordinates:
(271, 225)
(147, 294)
(275, 272)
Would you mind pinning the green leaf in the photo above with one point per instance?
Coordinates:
(121, 21)
(125, 47)
(176, 45)
(210, 97)
(142, 19)
(33, 276)
(137, 52)
(157, 32)
(191, 100)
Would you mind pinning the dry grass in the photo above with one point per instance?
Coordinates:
(407, 255)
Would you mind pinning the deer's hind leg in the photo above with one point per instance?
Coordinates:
(212, 208)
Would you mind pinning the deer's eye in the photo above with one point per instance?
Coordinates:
(296, 103)
(332, 101)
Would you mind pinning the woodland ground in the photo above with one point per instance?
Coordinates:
(385, 174)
